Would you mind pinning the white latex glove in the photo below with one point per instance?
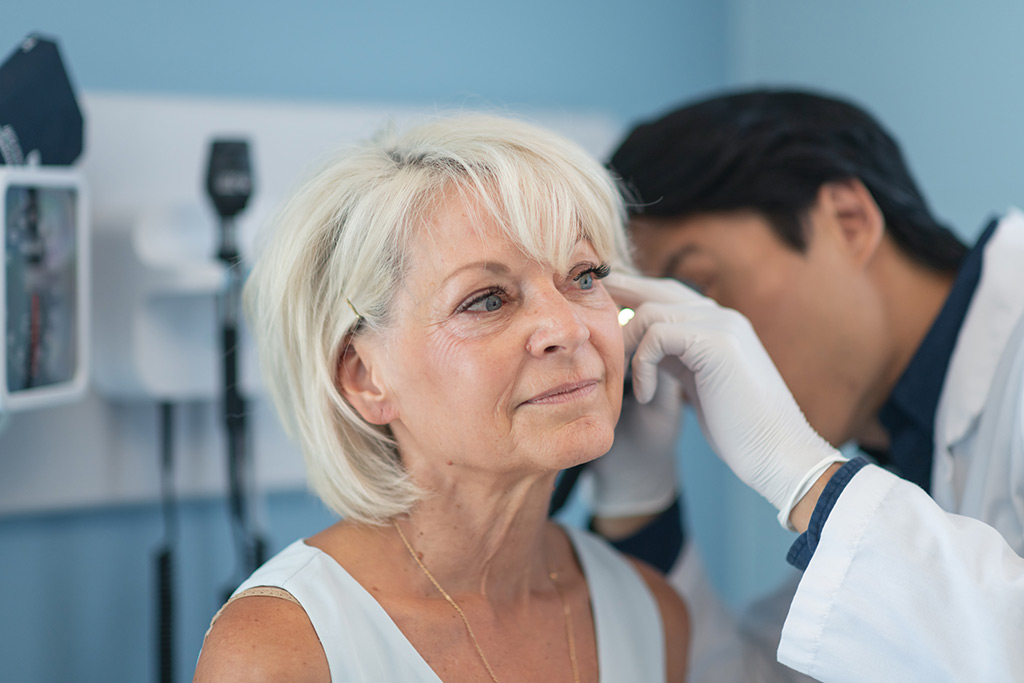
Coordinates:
(745, 409)
(638, 475)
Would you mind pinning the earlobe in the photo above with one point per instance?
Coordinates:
(857, 216)
(361, 389)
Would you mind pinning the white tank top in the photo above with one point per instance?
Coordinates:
(362, 643)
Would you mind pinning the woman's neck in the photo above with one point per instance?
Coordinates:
(483, 537)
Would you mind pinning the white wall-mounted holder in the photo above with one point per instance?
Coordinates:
(156, 332)
(44, 287)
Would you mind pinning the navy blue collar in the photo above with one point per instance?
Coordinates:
(909, 413)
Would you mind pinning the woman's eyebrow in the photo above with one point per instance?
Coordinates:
(491, 266)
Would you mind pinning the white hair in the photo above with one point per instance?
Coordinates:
(339, 246)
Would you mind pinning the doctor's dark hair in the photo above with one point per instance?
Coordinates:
(771, 151)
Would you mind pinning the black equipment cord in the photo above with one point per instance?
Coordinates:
(165, 553)
(250, 545)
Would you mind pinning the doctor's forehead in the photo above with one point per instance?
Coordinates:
(660, 244)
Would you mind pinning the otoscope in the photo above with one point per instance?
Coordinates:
(229, 184)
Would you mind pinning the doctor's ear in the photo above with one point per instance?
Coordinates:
(361, 386)
(854, 212)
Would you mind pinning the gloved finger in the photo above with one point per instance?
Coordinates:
(664, 345)
(634, 290)
(654, 426)
(694, 313)
(666, 318)
(665, 406)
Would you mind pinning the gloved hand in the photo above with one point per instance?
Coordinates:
(638, 475)
(745, 409)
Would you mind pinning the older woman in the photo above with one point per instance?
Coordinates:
(435, 334)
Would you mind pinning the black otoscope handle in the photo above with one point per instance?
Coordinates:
(229, 184)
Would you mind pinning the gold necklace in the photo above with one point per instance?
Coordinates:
(566, 612)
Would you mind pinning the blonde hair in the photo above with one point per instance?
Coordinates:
(339, 246)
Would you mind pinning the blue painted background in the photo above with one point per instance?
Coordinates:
(625, 58)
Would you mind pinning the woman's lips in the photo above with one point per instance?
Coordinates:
(564, 393)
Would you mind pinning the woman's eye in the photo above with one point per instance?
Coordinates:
(490, 302)
(586, 278)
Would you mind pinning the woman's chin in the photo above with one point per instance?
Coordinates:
(581, 445)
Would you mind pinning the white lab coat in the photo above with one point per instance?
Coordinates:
(903, 586)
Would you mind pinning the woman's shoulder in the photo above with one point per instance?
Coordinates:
(263, 633)
(261, 638)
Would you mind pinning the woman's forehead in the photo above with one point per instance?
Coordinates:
(463, 242)
(464, 224)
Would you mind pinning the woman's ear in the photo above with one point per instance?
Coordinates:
(360, 386)
(861, 223)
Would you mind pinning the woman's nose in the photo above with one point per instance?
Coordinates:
(557, 326)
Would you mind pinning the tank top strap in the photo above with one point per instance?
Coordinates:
(630, 636)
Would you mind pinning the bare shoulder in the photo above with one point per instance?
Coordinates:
(262, 639)
(675, 620)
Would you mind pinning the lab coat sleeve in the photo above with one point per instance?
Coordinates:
(900, 590)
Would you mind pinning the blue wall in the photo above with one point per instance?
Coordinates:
(623, 58)
(76, 589)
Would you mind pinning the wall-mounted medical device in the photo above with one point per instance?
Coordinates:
(44, 269)
(44, 276)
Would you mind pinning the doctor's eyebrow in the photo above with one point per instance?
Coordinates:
(672, 264)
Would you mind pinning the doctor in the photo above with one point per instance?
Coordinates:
(799, 212)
